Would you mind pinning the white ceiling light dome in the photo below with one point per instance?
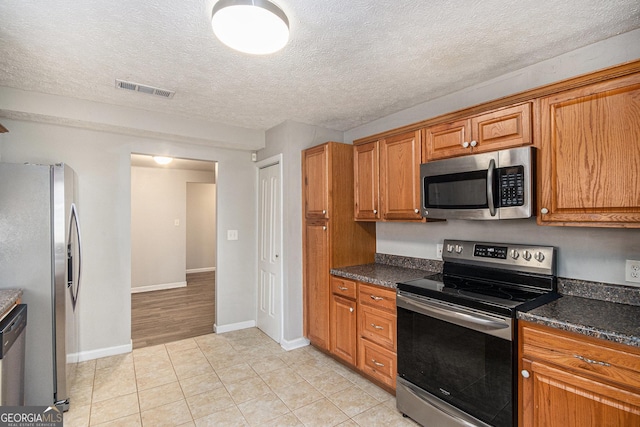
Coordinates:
(257, 27)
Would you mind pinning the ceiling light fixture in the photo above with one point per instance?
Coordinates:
(162, 160)
(257, 27)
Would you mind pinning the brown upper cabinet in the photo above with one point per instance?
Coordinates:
(495, 130)
(387, 178)
(366, 181)
(316, 182)
(589, 171)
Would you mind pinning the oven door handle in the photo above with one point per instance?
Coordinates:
(500, 327)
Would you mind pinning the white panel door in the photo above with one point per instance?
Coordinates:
(269, 253)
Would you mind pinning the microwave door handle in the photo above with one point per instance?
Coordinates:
(490, 173)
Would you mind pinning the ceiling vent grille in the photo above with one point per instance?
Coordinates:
(121, 84)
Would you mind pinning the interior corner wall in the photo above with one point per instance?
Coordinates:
(201, 226)
(159, 225)
(289, 139)
(102, 161)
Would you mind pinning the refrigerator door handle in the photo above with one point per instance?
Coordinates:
(74, 224)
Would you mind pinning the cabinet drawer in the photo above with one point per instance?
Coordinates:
(377, 362)
(343, 287)
(582, 355)
(377, 296)
(378, 326)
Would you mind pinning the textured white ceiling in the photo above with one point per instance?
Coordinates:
(348, 62)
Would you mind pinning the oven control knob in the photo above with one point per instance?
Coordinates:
(514, 254)
(449, 248)
(458, 249)
(539, 256)
(526, 255)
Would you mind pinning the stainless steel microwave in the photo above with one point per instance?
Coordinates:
(494, 185)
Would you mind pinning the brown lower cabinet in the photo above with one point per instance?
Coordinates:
(567, 379)
(363, 328)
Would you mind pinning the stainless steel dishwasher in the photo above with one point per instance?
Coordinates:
(12, 332)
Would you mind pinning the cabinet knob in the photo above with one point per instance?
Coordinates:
(351, 309)
(544, 211)
(324, 227)
(524, 373)
(324, 212)
(465, 144)
(473, 143)
(416, 210)
(375, 211)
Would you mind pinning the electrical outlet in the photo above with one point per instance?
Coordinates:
(232, 234)
(632, 271)
(439, 251)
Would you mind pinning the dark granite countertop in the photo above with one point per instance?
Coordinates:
(387, 270)
(600, 310)
(8, 297)
(379, 274)
(595, 318)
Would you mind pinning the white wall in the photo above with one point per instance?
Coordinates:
(595, 254)
(102, 162)
(289, 139)
(158, 246)
(201, 226)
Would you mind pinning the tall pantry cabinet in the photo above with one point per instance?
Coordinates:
(331, 238)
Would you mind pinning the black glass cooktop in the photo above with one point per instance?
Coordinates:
(488, 295)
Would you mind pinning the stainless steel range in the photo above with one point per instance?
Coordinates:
(457, 332)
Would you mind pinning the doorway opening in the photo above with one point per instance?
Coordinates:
(173, 249)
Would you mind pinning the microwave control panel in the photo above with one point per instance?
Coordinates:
(511, 186)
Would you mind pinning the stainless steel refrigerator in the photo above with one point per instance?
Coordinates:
(40, 252)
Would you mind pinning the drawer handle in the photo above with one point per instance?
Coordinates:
(591, 361)
(375, 298)
(342, 288)
(374, 326)
(375, 362)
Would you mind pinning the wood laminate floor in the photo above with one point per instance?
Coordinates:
(159, 317)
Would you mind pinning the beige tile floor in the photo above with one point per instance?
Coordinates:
(240, 378)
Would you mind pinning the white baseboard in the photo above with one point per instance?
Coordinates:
(293, 344)
(159, 287)
(101, 352)
(200, 270)
(221, 329)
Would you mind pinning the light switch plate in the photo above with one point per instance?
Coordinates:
(439, 251)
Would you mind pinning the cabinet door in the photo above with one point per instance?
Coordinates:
(316, 271)
(365, 169)
(553, 397)
(500, 129)
(589, 155)
(315, 166)
(400, 158)
(343, 329)
(447, 139)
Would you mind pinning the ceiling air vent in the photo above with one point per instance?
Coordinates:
(121, 84)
